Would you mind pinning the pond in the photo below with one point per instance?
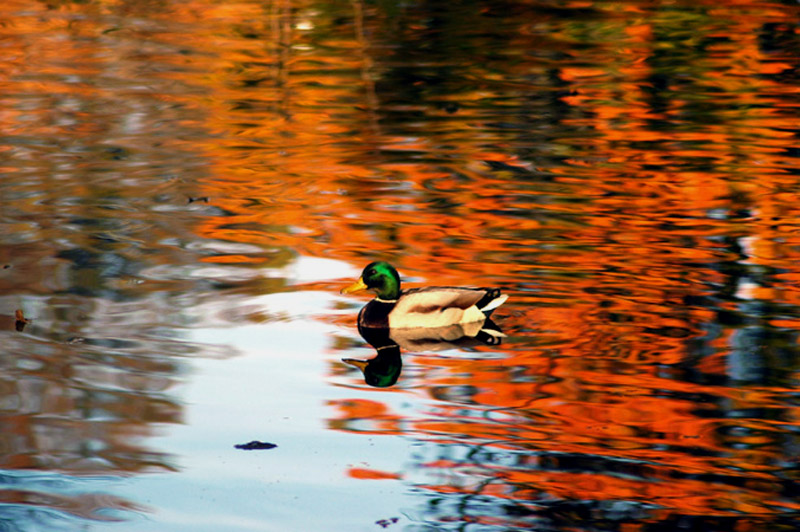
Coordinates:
(187, 186)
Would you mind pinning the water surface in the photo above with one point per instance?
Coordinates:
(186, 186)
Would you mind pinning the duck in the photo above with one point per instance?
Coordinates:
(426, 307)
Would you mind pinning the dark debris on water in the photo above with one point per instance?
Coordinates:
(20, 321)
(255, 445)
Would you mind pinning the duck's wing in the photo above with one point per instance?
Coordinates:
(435, 298)
(442, 306)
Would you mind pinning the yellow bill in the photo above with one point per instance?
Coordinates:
(357, 286)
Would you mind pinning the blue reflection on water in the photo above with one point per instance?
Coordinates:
(33, 500)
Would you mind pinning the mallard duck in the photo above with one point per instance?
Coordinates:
(434, 306)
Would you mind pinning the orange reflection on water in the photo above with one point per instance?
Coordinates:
(633, 259)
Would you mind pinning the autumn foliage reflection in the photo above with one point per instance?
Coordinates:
(657, 290)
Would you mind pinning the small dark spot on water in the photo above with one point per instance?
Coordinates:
(499, 165)
(383, 523)
(255, 82)
(451, 107)
(117, 153)
(255, 445)
(20, 321)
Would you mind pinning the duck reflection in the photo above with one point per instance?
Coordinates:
(384, 369)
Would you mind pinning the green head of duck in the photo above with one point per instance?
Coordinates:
(380, 277)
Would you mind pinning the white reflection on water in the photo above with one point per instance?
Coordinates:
(310, 269)
(271, 393)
